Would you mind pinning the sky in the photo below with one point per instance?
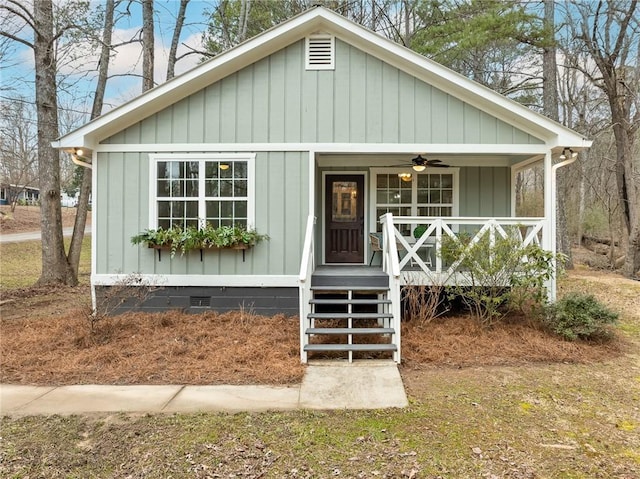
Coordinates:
(17, 73)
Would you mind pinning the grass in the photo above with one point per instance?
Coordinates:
(21, 263)
(579, 422)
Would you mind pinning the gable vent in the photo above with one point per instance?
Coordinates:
(320, 52)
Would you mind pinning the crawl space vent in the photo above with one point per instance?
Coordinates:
(200, 301)
(320, 52)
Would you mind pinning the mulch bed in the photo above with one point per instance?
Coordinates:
(242, 348)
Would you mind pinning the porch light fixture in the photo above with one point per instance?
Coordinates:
(568, 152)
(419, 167)
(224, 166)
(78, 151)
(405, 176)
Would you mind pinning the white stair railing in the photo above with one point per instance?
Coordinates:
(391, 266)
(307, 266)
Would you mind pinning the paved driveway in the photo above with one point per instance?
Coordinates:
(34, 235)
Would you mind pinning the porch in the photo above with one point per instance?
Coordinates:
(365, 300)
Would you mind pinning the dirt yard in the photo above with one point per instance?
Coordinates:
(27, 218)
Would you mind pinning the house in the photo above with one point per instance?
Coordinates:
(9, 193)
(317, 133)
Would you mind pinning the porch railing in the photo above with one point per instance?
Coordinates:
(307, 265)
(424, 254)
(391, 266)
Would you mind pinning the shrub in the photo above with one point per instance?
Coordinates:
(579, 316)
(499, 274)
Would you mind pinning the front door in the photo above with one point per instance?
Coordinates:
(344, 219)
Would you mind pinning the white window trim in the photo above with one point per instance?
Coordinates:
(373, 220)
(202, 157)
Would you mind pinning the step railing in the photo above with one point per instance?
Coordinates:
(391, 266)
(307, 266)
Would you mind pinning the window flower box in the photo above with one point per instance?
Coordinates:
(184, 240)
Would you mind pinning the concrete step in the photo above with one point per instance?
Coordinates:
(349, 331)
(350, 347)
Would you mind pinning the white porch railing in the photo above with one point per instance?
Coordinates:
(430, 263)
(307, 265)
(391, 266)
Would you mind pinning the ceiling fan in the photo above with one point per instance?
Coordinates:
(419, 163)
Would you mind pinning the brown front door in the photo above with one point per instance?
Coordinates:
(344, 219)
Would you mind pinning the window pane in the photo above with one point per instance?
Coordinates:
(165, 224)
(405, 196)
(226, 222)
(191, 169)
(241, 222)
(191, 209)
(164, 209)
(394, 181)
(423, 196)
(382, 181)
(191, 188)
(211, 169)
(226, 209)
(213, 209)
(211, 188)
(163, 188)
(447, 196)
(382, 196)
(435, 196)
(191, 223)
(226, 170)
(176, 188)
(434, 181)
(447, 181)
(446, 211)
(162, 169)
(423, 181)
(394, 196)
(226, 188)
(240, 208)
(240, 169)
(240, 188)
(177, 209)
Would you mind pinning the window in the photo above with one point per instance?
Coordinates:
(418, 194)
(193, 190)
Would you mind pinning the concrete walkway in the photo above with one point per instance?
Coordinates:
(326, 385)
(35, 235)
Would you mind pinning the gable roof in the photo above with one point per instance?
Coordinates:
(320, 19)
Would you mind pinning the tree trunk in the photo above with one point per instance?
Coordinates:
(550, 107)
(55, 267)
(147, 45)
(85, 189)
(173, 51)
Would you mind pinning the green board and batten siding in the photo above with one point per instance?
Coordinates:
(276, 100)
(123, 201)
(363, 101)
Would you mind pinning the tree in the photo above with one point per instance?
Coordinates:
(40, 20)
(18, 152)
(610, 33)
(148, 46)
(550, 109)
(173, 50)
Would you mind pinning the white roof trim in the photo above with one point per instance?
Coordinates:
(297, 28)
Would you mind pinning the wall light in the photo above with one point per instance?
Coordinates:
(566, 152)
(78, 151)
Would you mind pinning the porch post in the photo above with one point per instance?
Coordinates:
(548, 239)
